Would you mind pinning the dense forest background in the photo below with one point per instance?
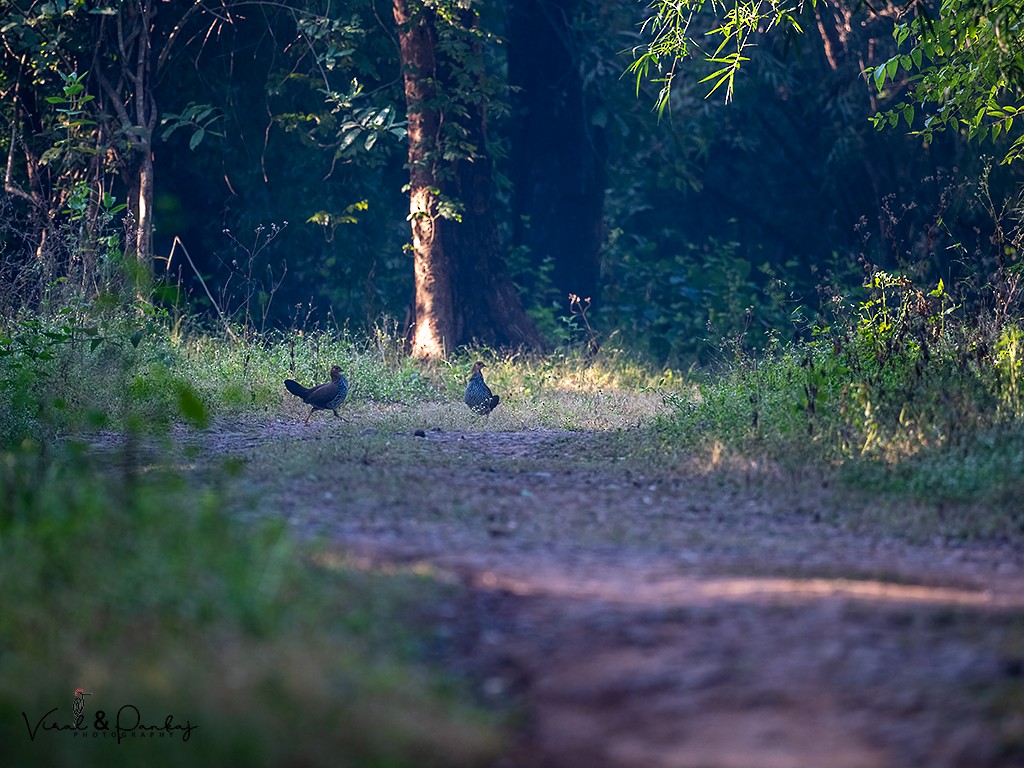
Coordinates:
(280, 174)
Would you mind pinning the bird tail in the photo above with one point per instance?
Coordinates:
(295, 388)
(493, 403)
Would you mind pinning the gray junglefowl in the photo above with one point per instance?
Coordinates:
(478, 394)
(323, 397)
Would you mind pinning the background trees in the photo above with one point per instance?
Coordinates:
(282, 145)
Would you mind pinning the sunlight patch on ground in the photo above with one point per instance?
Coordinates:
(350, 561)
(557, 409)
(686, 591)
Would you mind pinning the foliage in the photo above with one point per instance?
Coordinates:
(903, 389)
(706, 215)
(958, 68)
(677, 29)
(199, 118)
(961, 70)
(686, 306)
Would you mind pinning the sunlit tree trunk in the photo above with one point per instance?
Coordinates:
(433, 327)
(463, 290)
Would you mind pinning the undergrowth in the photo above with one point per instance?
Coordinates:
(122, 576)
(900, 396)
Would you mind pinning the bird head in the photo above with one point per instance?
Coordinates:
(335, 373)
(477, 367)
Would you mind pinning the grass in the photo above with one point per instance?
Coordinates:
(135, 571)
(942, 440)
(137, 588)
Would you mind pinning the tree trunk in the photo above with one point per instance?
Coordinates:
(463, 290)
(128, 88)
(558, 151)
(140, 205)
(433, 324)
(487, 305)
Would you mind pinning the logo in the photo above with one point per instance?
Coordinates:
(79, 706)
(127, 724)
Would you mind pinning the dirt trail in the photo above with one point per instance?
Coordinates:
(668, 618)
(730, 632)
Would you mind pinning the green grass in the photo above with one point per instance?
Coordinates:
(136, 587)
(942, 439)
(123, 574)
(133, 570)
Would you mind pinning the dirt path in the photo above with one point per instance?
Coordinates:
(726, 630)
(660, 616)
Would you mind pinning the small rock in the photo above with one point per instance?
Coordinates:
(420, 433)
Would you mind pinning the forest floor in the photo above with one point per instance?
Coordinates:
(642, 610)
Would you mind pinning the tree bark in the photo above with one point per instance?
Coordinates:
(433, 324)
(129, 97)
(487, 307)
(464, 293)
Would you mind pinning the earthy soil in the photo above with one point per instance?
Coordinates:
(643, 613)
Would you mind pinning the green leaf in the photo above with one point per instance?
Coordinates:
(879, 78)
(197, 137)
(891, 67)
(348, 139)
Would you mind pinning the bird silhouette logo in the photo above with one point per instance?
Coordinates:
(79, 704)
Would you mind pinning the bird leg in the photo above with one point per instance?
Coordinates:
(306, 422)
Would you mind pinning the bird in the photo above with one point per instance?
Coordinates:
(478, 395)
(323, 397)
